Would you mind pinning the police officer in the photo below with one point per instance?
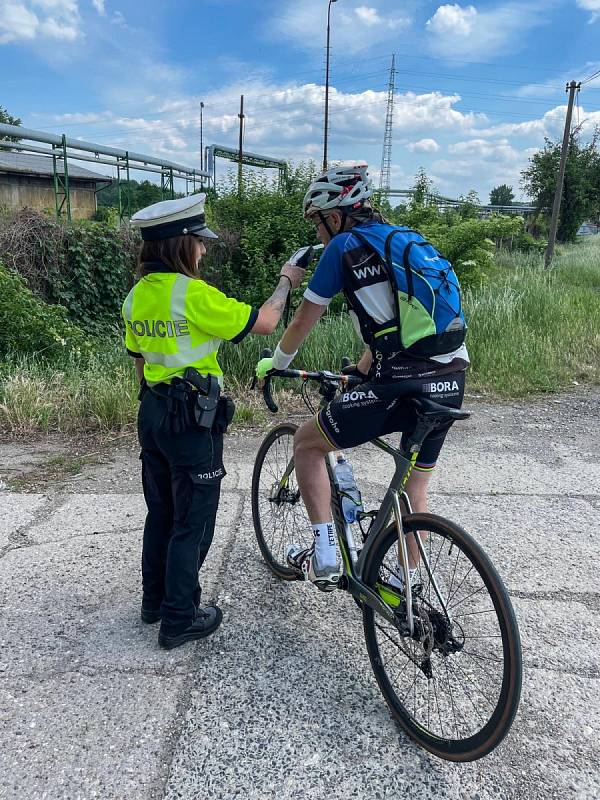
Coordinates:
(175, 322)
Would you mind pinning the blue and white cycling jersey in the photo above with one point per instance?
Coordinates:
(348, 266)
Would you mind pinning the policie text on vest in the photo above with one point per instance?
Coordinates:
(169, 328)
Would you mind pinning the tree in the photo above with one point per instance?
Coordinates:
(502, 195)
(8, 119)
(422, 188)
(581, 192)
(469, 208)
(141, 194)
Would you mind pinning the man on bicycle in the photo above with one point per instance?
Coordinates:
(338, 204)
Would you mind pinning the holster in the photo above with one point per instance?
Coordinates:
(207, 393)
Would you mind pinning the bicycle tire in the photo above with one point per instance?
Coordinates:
(480, 742)
(260, 482)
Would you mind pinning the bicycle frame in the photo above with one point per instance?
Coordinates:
(385, 600)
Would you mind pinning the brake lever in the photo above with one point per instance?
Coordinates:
(268, 397)
(266, 389)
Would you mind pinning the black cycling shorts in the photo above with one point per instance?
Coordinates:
(374, 409)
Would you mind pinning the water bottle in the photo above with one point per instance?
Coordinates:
(344, 479)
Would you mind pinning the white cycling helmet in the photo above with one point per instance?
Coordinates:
(345, 186)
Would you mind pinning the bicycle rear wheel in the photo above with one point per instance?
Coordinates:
(278, 513)
(454, 686)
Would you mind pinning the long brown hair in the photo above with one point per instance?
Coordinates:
(178, 252)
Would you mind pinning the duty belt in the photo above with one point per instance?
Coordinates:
(193, 393)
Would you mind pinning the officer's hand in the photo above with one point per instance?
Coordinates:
(294, 273)
(264, 367)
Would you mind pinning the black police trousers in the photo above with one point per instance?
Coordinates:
(181, 476)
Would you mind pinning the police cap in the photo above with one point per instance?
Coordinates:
(173, 218)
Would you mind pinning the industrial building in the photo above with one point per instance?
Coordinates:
(28, 181)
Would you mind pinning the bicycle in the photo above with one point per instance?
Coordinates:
(417, 636)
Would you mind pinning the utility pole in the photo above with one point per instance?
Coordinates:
(571, 88)
(201, 140)
(326, 126)
(386, 156)
(240, 155)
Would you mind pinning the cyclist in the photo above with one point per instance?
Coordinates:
(175, 322)
(338, 204)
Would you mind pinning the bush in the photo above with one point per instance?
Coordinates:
(30, 326)
(87, 267)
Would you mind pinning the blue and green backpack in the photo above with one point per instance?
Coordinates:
(429, 318)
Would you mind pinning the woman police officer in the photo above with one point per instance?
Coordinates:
(175, 323)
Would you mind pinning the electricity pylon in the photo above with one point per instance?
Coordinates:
(386, 156)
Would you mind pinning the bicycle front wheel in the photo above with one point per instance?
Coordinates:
(454, 685)
(278, 513)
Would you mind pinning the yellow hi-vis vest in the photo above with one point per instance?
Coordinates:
(174, 322)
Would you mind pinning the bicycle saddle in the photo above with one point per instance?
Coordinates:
(432, 410)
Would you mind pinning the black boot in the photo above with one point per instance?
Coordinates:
(207, 621)
(149, 615)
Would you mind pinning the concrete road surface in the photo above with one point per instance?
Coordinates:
(281, 702)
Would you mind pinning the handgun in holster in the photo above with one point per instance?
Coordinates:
(207, 399)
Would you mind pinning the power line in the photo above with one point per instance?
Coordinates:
(590, 77)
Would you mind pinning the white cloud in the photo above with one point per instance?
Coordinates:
(462, 150)
(282, 121)
(424, 146)
(452, 20)
(590, 5)
(354, 26)
(99, 5)
(550, 125)
(370, 16)
(17, 23)
(466, 31)
(39, 19)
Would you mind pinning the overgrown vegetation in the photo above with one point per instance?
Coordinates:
(30, 326)
(87, 267)
(62, 364)
(529, 331)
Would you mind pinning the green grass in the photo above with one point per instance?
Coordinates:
(530, 331)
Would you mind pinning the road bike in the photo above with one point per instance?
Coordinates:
(445, 649)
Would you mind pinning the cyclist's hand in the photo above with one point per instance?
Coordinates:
(263, 368)
(352, 369)
(294, 273)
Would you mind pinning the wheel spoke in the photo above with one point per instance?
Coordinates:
(452, 691)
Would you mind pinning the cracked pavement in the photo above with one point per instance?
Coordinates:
(281, 702)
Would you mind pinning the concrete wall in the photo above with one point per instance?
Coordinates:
(20, 191)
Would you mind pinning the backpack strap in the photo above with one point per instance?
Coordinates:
(389, 268)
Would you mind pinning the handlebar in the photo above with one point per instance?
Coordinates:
(322, 377)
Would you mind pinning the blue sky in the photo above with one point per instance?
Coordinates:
(479, 85)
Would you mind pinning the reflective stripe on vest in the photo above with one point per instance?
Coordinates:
(186, 354)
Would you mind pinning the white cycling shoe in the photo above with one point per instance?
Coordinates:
(303, 559)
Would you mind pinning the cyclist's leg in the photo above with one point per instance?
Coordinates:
(310, 449)
(418, 483)
(318, 563)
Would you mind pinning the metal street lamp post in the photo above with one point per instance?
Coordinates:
(327, 86)
(201, 140)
